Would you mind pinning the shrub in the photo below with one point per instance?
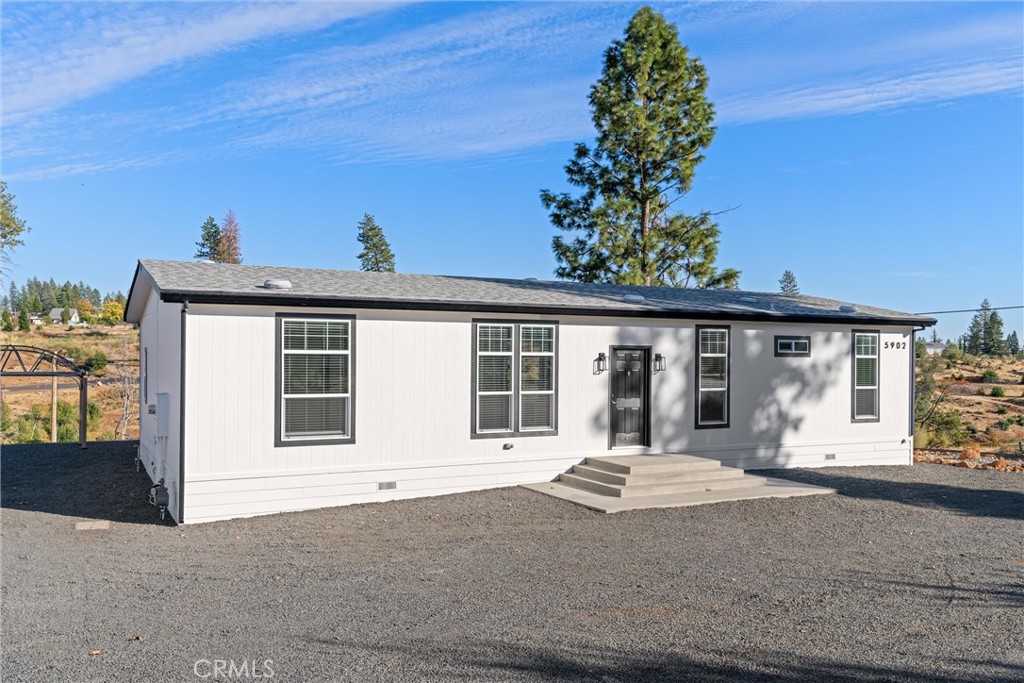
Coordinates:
(953, 352)
(1004, 425)
(97, 361)
(998, 392)
(944, 428)
(990, 377)
(970, 359)
(979, 392)
(1002, 410)
(971, 428)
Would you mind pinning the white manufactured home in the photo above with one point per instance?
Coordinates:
(268, 389)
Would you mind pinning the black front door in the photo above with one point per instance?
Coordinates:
(629, 397)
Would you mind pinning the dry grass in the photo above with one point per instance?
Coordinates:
(118, 343)
(995, 419)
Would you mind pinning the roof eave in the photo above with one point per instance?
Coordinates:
(305, 300)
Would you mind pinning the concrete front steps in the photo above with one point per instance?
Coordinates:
(632, 482)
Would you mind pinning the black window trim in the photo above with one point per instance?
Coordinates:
(515, 433)
(728, 377)
(878, 376)
(279, 441)
(792, 354)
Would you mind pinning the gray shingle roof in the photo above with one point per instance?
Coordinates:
(208, 282)
(58, 313)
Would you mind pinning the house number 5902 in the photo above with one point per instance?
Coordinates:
(894, 345)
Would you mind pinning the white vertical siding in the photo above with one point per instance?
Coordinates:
(413, 398)
(160, 334)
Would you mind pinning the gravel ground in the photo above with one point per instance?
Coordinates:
(911, 573)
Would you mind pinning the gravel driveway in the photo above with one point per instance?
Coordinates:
(910, 573)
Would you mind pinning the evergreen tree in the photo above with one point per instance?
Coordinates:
(230, 248)
(23, 322)
(35, 304)
(208, 246)
(6, 322)
(1012, 343)
(653, 121)
(992, 338)
(15, 299)
(787, 283)
(973, 344)
(376, 254)
(65, 315)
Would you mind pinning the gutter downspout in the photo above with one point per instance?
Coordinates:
(181, 419)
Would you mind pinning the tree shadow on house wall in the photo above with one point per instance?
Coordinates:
(769, 396)
(99, 482)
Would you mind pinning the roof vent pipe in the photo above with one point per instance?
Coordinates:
(633, 298)
(277, 284)
(847, 309)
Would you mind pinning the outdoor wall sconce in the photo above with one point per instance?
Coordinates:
(600, 363)
(659, 363)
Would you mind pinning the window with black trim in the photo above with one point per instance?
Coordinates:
(314, 380)
(865, 375)
(792, 346)
(712, 376)
(514, 390)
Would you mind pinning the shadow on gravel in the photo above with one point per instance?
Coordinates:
(99, 482)
(991, 596)
(967, 501)
(504, 661)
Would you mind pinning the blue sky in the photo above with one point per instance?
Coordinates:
(877, 150)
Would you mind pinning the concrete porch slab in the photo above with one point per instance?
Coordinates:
(772, 488)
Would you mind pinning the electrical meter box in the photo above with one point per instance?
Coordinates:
(163, 415)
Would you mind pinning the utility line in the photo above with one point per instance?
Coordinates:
(970, 310)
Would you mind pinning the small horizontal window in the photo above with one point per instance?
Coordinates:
(792, 346)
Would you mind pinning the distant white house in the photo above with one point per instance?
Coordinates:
(35, 320)
(934, 348)
(270, 389)
(56, 315)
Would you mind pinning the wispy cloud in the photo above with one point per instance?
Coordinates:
(873, 92)
(442, 82)
(105, 53)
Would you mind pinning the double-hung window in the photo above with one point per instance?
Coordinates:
(865, 375)
(314, 380)
(712, 376)
(515, 379)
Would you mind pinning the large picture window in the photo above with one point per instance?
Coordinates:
(515, 379)
(712, 376)
(314, 380)
(865, 375)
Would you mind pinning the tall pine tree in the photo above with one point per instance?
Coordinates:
(230, 248)
(992, 341)
(653, 121)
(975, 338)
(787, 283)
(1013, 343)
(208, 246)
(376, 254)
